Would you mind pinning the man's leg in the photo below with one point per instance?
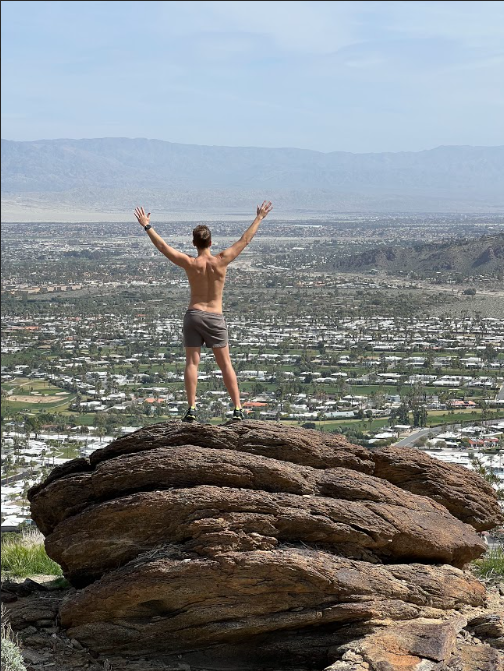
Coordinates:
(221, 355)
(191, 373)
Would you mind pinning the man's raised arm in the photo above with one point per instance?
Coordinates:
(232, 252)
(176, 257)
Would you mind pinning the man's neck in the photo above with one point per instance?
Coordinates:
(205, 251)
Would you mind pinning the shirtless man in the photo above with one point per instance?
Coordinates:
(204, 322)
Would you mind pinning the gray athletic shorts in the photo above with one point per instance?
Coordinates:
(207, 328)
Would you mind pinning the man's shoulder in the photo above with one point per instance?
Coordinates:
(220, 257)
(214, 259)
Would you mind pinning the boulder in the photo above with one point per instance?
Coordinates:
(405, 645)
(184, 537)
(207, 520)
(416, 645)
(175, 604)
(463, 492)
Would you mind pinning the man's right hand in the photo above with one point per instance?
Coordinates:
(142, 218)
(264, 209)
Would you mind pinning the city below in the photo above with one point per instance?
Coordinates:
(410, 355)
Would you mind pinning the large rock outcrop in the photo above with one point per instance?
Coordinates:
(183, 537)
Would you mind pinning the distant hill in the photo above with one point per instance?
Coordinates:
(111, 174)
(475, 256)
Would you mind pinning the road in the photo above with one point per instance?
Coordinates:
(408, 441)
(413, 437)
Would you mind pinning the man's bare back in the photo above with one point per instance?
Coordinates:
(206, 275)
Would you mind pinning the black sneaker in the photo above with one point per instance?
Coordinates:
(238, 414)
(190, 415)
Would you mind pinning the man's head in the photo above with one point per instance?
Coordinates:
(202, 238)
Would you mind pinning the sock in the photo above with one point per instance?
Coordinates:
(238, 407)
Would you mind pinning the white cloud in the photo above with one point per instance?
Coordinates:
(473, 23)
(310, 27)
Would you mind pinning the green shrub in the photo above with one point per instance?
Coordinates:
(11, 656)
(491, 565)
(24, 555)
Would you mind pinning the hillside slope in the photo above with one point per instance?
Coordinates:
(474, 256)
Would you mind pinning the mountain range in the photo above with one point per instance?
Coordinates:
(465, 257)
(112, 174)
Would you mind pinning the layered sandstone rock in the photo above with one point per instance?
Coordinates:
(185, 537)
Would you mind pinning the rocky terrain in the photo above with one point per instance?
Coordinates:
(472, 639)
(259, 546)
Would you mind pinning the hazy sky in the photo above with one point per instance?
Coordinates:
(353, 76)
